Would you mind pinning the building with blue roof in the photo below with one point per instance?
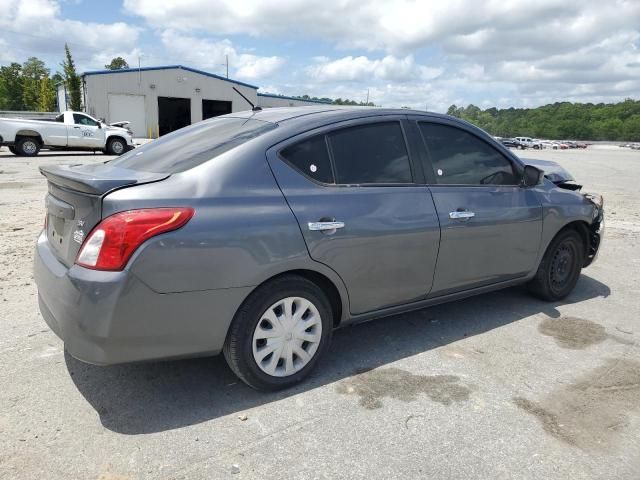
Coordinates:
(158, 100)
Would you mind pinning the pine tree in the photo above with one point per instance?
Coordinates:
(33, 71)
(72, 81)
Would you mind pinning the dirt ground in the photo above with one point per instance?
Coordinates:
(497, 386)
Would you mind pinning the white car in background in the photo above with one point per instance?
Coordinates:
(528, 142)
(69, 131)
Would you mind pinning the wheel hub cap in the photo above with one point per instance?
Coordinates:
(287, 336)
(29, 147)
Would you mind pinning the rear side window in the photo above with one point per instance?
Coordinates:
(374, 153)
(191, 146)
(311, 158)
(460, 158)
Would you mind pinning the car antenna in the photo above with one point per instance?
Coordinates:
(253, 107)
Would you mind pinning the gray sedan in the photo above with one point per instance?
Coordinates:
(258, 233)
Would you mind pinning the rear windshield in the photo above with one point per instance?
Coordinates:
(191, 146)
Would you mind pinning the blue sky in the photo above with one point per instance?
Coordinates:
(422, 54)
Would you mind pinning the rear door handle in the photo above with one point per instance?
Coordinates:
(77, 128)
(461, 215)
(324, 226)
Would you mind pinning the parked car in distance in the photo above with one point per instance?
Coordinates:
(510, 142)
(69, 131)
(258, 233)
(528, 142)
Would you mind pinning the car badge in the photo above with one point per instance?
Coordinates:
(78, 236)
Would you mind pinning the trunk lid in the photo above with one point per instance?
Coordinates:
(74, 201)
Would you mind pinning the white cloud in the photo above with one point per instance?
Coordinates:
(361, 68)
(403, 25)
(35, 27)
(494, 52)
(482, 52)
(208, 54)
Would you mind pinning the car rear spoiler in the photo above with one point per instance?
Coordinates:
(97, 179)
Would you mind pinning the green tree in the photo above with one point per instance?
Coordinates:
(72, 80)
(33, 71)
(11, 87)
(47, 95)
(631, 129)
(560, 121)
(454, 111)
(117, 63)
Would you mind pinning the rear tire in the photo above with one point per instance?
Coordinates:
(116, 146)
(260, 325)
(560, 267)
(28, 146)
(13, 150)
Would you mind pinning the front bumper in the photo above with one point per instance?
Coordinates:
(113, 317)
(596, 230)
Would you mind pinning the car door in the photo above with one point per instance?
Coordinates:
(491, 227)
(353, 188)
(85, 132)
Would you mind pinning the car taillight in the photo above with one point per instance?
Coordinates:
(112, 242)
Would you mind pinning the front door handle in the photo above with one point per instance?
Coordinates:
(461, 215)
(77, 128)
(324, 226)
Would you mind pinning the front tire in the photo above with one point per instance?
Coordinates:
(116, 146)
(279, 333)
(27, 147)
(13, 150)
(560, 267)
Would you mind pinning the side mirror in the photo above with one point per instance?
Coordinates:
(532, 176)
(99, 124)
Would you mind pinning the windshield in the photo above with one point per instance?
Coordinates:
(191, 146)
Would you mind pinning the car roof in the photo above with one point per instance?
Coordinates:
(321, 112)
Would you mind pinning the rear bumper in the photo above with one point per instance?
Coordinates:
(113, 317)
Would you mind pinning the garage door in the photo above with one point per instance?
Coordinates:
(131, 108)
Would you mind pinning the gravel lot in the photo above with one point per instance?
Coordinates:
(498, 386)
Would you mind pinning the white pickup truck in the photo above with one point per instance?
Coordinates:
(69, 131)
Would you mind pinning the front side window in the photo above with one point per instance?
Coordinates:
(84, 120)
(373, 153)
(460, 158)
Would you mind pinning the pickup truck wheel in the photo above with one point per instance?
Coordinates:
(28, 146)
(13, 150)
(280, 332)
(116, 146)
(560, 267)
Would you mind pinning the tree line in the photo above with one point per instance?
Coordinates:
(560, 121)
(337, 101)
(31, 86)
